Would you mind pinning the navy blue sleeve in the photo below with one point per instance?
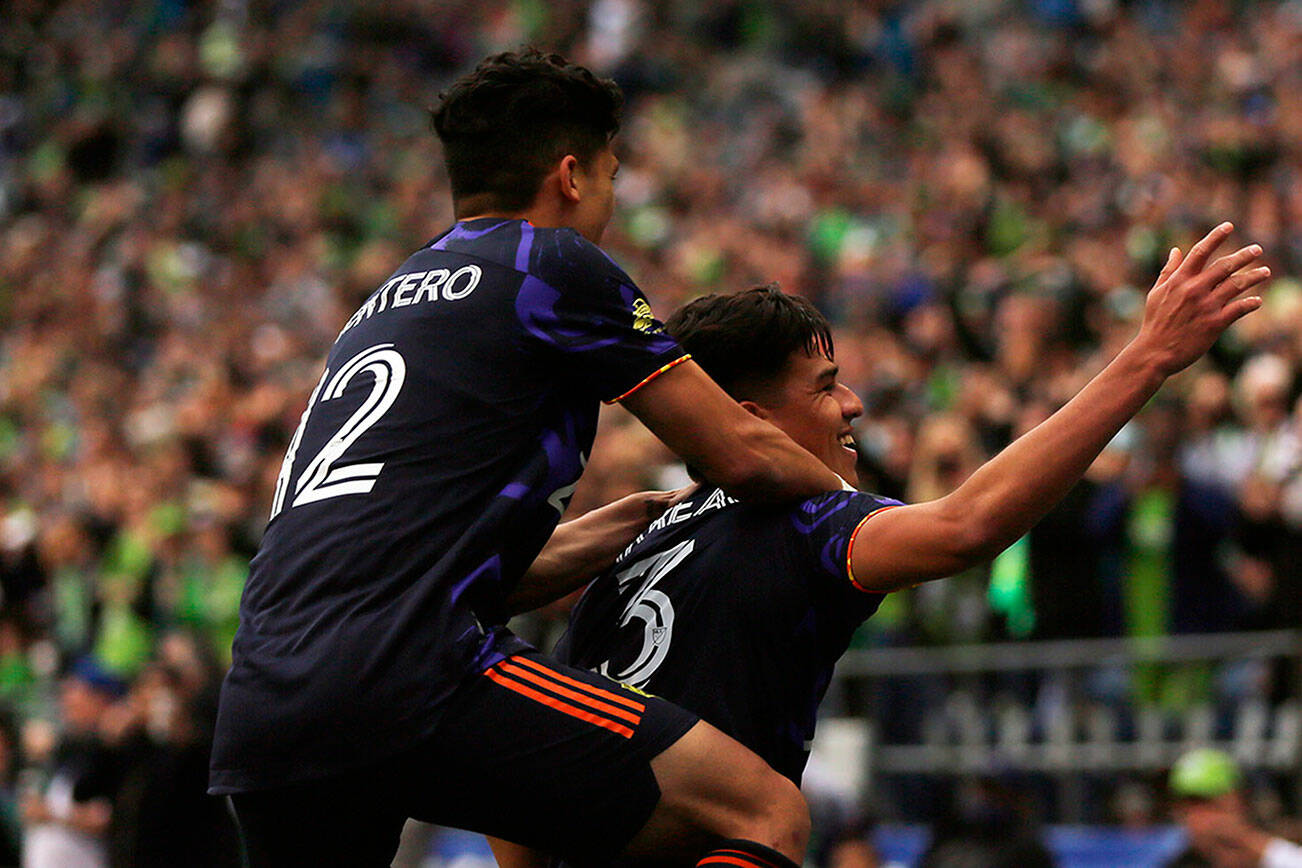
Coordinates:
(825, 528)
(577, 303)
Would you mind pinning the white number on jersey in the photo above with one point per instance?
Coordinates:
(653, 608)
(325, 475)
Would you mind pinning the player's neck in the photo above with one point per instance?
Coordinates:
(492, 215)
(540, 216)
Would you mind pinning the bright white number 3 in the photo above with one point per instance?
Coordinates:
(653, 608)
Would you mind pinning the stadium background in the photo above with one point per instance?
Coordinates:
(194, 196)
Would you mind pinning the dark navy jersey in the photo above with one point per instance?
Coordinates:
(434, 459)
(735, 611)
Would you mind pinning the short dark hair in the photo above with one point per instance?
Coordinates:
(504, 125)
(745, 340)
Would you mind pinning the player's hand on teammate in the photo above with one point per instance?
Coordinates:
(643, 507)
(1196, 298)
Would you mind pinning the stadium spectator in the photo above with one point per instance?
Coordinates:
(68, 818)
(11, 764)
(1208, 790)
(849, 846)
(162, 816)
(988, 825)
(947, 452)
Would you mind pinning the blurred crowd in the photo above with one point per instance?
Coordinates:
(194, 196)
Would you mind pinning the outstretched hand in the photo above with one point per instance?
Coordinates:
(1194, 300)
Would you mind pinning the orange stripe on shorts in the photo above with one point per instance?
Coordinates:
(607, 695)
(505, 667)
(564, 707)
(727, 860)
(751, 856)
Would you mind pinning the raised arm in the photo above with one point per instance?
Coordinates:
(1189, 307)
(581, 548)
(742, 454)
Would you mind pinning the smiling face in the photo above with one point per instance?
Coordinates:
(773, 353)
(814, 409)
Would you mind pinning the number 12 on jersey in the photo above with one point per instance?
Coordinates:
(327, 475)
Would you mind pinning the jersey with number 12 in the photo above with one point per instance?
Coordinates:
(431, 462)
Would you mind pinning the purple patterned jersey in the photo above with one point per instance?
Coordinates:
(735, 611)
(433, 460)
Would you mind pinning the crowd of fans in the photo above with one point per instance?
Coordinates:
(194, 196)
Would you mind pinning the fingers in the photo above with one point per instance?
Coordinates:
(1239, 308)
(1173, 260)
(1222, 268)
(1232, 281)
(1226, 277)
(1241, 282)
(658, 502)
(1200, 252)
(679, 495)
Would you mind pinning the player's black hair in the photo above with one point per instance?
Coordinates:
(744, 340)
(507, 123)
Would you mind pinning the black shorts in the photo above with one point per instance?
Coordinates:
(531, 751)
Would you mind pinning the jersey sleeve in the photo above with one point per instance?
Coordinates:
(826, 527)
(577, 304)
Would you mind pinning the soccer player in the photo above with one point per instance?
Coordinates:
(739, 611)
(373, 678)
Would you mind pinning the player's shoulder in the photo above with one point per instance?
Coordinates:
(822, 530)
(560, 256)
(840, 507)
(550, 242)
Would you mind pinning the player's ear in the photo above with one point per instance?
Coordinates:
(754, 409)
(568, 168)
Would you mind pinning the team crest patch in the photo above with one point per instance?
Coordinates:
(643, 319)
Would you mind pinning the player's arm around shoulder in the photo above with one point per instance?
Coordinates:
(1194, 300)
(744, 455)
(693, 416)
(581, 548)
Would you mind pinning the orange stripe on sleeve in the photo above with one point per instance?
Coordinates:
(651, 376)
(849, 550)
(608, 695)
(564, 707)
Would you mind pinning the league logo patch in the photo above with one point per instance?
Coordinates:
(643, 319)
(636, 690)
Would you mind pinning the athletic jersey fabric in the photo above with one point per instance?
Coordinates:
(735, 611)
(434, 459)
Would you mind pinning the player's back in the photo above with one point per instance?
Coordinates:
(432, 463)
(735, 611)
